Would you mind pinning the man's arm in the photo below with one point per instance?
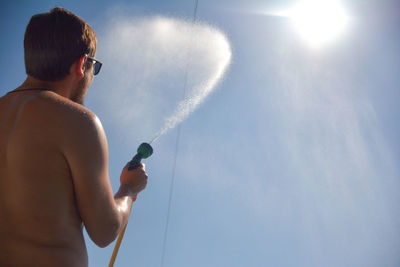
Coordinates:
(85, 148)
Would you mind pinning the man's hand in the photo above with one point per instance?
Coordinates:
(134, 180)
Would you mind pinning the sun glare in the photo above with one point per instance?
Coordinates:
(319, 21)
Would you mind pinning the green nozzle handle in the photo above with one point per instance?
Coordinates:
(143, 152)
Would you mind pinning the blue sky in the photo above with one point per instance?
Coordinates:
(291, 161)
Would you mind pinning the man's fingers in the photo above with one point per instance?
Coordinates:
(141, 166)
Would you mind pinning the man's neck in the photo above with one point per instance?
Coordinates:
(62, 87)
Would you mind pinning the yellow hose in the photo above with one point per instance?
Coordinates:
(117, 245)
(116, 248)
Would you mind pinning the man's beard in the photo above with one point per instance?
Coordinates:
(78, 95)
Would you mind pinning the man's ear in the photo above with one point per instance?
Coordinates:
(79, 66)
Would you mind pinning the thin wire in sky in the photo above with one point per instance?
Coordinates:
(171, 187)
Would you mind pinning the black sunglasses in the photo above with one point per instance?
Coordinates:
(96, 65)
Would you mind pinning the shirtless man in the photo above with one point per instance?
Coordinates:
(53, 153)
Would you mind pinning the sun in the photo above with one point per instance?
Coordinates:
(319, 21)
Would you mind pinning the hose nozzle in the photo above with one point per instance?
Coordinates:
(143, 152)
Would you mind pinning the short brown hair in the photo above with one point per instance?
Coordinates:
(54, 41)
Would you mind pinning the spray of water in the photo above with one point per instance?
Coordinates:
(151, 62)
(187, 105)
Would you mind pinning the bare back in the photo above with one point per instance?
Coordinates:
(39, 220)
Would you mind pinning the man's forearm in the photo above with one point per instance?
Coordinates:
(123, 200)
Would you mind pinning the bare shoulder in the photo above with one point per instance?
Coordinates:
(71, 119)
(72, 123)
(66, 108)
(47, 110)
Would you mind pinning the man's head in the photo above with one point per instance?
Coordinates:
(56, 40)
